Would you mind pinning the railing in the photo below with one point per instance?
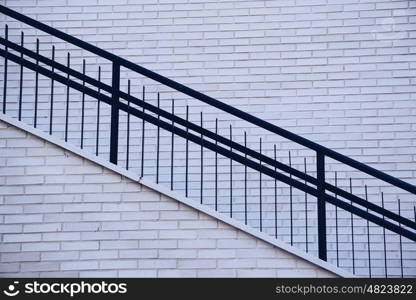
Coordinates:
(160, 125)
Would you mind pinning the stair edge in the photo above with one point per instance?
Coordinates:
(178, 197)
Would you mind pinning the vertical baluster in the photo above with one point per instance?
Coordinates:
(231, 175)
(400, 240)
(414, 211)
(306, 209)
(68, 64)
(321, 205)
(97, 136)
(143, 130)
(291, 203)
(368, 236)
(128, 127)
(245, 180)
(6, 35)
(83, 106)
(202, 161)
(22, 36)
(115, 112)
(187, 153)
(384, 238)
(172, 147)
(336, 221)
(260, 192)
(352, 234)
(275, 194)
(216, 167)
(35, 121)
(158, 142)
(52, 91)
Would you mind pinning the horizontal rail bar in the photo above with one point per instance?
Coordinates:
(370, 205)
(56, 65)
(209, 145)
(207, 133)
(156, 110)
(211, 101)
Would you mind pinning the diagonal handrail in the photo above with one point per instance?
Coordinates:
(212, 101)
(315, 186)
(216, 148)
(207, 133)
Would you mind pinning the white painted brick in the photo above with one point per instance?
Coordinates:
(24, 180)
(40, 246)
(97, 274)
(10, 267)
(118, 264)
(100, 216)
(140, 254)
(101, 254)
(10, 228)
(61, 236)
(157, 264)
(138, 235)
(104, 235)
(41, 266)
(50, 170)
(42, 208)
(23, 256)
(120, 207)
(79, 245)
(84, 207)
(79, 265)
(349, 35)
(10, 209)
(9, 247)
(257, 273)
(158, 244)
(236, 263)
(138, 273)
(22, 237)
(26, 218)
(216, 273)
(81, 226)
(197, 264)
(42, 227)
(216, 253)
(198, 244)
(235, 244)
(177, 234)
(119, 244)
(60, 256)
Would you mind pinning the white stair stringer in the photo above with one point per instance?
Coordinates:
(180, 198)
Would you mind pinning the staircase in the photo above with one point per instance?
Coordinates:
(311, 197)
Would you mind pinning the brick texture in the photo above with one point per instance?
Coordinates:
(67, 232)
(341, 73)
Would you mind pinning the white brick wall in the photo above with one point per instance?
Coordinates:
(341, 73)
(62, 230)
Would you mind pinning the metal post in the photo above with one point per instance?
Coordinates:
(320, 168)
(114, 113)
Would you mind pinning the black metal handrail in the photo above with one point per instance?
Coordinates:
(205, 132)
(263, 163)
(225, 152)
(211, 101)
